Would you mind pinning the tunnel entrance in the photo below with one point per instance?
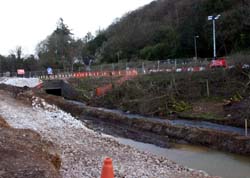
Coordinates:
(57, 92)
(60, 88)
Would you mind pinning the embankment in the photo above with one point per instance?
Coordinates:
(229, 142)
(24, 154)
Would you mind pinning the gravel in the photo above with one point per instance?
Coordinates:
(83, 150)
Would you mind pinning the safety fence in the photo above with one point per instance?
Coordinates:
(181, 69)
(142, 67)
(62, 75)
(126, 75)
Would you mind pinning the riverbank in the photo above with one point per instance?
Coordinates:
(215, 138)
(201, 96)
(82, 150)
(197, 157)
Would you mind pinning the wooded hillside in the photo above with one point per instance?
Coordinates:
(166, 29)
(163, 29)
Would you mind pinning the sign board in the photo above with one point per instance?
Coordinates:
(20, 71)
(210, 18)
(49, 71)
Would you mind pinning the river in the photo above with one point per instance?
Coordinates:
(214, 162)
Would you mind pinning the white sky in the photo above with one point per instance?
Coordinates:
(27, 22)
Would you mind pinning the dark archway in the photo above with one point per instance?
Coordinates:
(57, 92)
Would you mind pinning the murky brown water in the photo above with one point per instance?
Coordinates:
(213, 162)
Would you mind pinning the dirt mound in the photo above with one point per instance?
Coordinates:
(13, 90)
(25, 155)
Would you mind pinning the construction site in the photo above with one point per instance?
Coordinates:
(66, 127)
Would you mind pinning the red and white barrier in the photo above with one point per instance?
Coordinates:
(182, 69)
(131, 72)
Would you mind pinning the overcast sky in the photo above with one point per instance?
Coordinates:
(27, 22)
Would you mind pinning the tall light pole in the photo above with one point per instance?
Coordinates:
(195, 46)
(213, 18)
(118, 55)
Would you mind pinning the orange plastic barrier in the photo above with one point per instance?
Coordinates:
(131, 72)
(98, 92)
(103, 90)
(107, 169)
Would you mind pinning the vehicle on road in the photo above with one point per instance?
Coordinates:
(218, 63)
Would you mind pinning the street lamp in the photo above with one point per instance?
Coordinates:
(213, 18)
(195, 46)
(118, 53)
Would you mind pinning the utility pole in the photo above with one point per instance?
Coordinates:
(246, 127)
(213, 18)
(118, 57)
(195, 46)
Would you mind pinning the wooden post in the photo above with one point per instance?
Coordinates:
(246, 127)
(208, 93)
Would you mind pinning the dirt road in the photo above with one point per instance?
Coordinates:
(82, 150)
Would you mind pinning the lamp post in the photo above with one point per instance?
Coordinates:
(213, 18)
(195, 46)
(118, 53)
(118, 56)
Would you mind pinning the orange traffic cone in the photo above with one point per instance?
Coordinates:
(107, 169)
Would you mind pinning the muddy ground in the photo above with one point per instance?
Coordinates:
(25, 155)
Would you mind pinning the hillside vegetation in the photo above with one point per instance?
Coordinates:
(162, 94)
(163, 29)
(166, 29)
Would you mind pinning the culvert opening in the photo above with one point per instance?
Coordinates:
(57, 92)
